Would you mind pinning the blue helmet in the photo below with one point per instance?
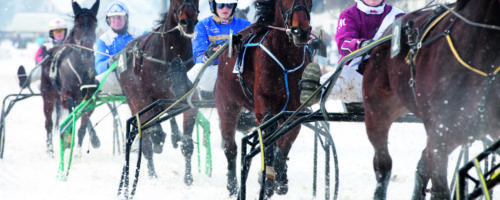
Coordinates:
(117, 8)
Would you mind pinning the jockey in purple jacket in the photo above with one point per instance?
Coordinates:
(358, 26)
(363, 23)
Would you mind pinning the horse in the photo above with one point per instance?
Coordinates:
(158, 64)
(451, 74)
(70, 67)
(265, 88)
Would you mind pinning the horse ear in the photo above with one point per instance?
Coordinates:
(76, 8)
(95, 8)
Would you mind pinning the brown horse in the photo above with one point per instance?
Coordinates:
(270, 85)
(449, 92)
(157, 70)
(72, 66)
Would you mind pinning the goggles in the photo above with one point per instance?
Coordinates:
(57, 31)
(228, 5)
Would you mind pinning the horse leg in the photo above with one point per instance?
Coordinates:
(227, 114)
(157, 138)
(147, 150)
(187, 143)
(422, 177)
(176, 135)
(94, 139)
(48, 108)
(280, 158)
(269, 158)
(437, 162)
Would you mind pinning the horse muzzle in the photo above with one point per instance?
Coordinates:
(188, 25)
(300, 36)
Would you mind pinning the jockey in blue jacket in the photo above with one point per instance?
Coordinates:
(117, 37)
(113, 41)
(208, 35)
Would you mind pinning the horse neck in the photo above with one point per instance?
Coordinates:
(173, 43)
(278, 18)
(483, 11)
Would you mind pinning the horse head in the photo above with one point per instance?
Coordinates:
(83, 34)
(186, 15)
(85, 23)
(296, 17)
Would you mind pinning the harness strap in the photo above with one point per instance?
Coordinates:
(270, 54)
(455, 53)
(74, 71)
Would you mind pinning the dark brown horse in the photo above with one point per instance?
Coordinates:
(157, 65)
(455, 96)
(69, 67)
(270, 85)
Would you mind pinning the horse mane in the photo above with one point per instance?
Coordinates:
(461, 4)
(163, 18)
(265, 11)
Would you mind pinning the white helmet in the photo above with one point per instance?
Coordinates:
(214, 2)
(117, 8)
(57, 24)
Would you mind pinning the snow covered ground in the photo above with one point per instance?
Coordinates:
(27, 172)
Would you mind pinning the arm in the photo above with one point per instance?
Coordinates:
(200, 43)
(40, 54)
(347, 37)
(101, 61)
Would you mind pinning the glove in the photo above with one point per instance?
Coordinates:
(315, 43)
(210, 50)
(237, 39)
(365, 43)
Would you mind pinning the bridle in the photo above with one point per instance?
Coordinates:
(181, 8)
(86, 14)
(287, 15)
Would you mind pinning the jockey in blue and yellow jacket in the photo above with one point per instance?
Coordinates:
(210, 31)
(213, 30)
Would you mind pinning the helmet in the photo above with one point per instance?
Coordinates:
(55, 24)
(116, 8)
(214, 2)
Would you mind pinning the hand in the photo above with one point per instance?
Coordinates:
(212, 48)
(237, 39)
(315, 43)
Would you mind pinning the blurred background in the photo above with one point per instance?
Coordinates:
(24, 22)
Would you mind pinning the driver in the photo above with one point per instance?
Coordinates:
(208, 35)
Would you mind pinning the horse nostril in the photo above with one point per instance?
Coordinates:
(184, 22)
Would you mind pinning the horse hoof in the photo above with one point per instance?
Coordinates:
(269, 187)
(188, 179)
(96, 143)
(232, 186)
(281, 189)
(175, 140)
(152, 175)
